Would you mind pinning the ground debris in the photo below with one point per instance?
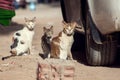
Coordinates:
(56, 69)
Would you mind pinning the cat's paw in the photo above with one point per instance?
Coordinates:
(69, 58)
(25, 54)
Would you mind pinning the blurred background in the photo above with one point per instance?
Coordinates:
(10, 9)
(41, 9)
(32, 3)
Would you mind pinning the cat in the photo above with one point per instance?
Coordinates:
(22, 39)
(61, 44)
(46, 40)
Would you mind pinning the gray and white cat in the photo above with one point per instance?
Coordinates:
(46, 40)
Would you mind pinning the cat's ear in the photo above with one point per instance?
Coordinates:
(74, 24)
(51, 28)
(44, 29)
(34, 19)
(26, 19)
(64, 23)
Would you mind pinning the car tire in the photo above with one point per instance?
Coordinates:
(100, 54)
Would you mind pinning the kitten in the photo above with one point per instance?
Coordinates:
(61, 44)
(46, 40)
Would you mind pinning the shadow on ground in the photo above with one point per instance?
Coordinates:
(11, 28)
(78, 48)
(117, 61)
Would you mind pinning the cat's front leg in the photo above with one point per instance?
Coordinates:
(29, 49)
(46, 55)
(70, 57)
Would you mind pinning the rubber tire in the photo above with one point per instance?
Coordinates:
(100, 54)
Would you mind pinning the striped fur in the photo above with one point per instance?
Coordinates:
(46, 40)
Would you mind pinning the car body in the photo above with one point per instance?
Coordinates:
(101, 22)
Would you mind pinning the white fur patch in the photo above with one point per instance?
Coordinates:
(27, 37)
(65, 45)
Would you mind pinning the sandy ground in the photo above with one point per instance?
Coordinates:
(24, 67)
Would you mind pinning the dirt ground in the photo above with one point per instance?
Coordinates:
(24, 67)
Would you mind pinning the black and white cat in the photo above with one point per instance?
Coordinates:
(22, 39)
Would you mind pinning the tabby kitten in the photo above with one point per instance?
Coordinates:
(46, 40)
(61, 44)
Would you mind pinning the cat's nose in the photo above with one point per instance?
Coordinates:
(49, 37)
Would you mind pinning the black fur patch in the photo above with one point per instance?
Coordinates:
(18, 34)
(14, 44)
